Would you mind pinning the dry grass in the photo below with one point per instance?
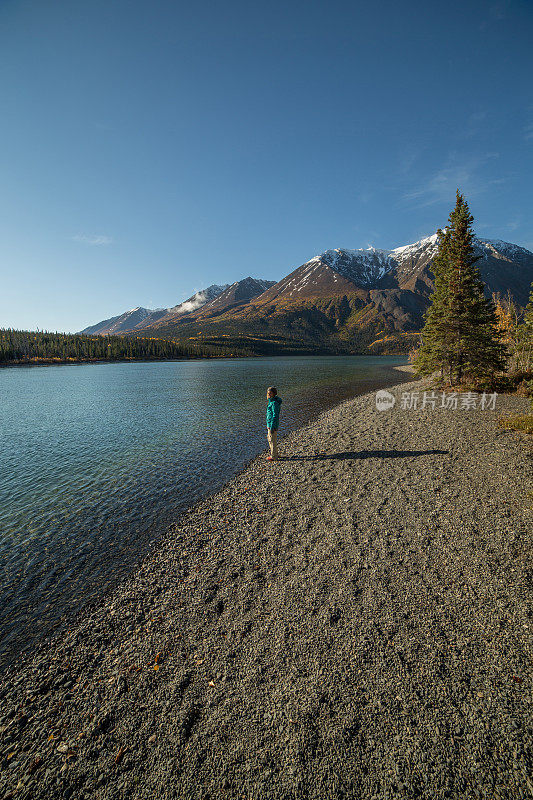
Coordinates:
(518, 422)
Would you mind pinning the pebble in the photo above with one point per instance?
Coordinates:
(367, 648)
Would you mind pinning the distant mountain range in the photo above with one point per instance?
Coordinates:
(219, 298)
(139, 317)
(366, 300)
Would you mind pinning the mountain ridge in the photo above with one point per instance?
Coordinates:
(131, 320)
(341, 299)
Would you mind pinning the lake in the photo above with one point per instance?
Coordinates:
(96, 460)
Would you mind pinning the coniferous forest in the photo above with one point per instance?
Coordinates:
(25, 347)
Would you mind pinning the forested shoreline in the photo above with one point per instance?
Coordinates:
(19, 347)
(44, 347)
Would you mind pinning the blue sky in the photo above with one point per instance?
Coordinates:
(149, 149)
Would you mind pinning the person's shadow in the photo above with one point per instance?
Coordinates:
(352, 455)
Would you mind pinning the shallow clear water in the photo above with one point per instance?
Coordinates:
(97, 459)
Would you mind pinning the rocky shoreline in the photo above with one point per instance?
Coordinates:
(353, 621)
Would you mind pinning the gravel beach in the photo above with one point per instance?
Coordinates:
(353, 621)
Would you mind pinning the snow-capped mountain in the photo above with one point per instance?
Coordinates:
(199, 299)
(223, 296)
(363, 267)
(338, 290)
(128, 321)
(235, 295)
(340, 271)
(231, 298)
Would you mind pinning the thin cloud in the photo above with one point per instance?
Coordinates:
(97, 240)
(514, 224)
(440, 187)
(528, 132)
(406, 163)
(474, 124)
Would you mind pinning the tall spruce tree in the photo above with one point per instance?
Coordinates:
(436, 340)
(459, 337)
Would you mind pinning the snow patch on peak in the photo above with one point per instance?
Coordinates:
(143, 312)
(431, 243)
(365, 266)
(498, 246)
(340, 252)
(140, 313)
(264, 284)
(428, 243)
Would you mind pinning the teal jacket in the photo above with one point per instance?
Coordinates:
(273, 413)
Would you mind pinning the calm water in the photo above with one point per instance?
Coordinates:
(97, 459)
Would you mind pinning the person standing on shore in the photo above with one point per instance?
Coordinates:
(272, 417)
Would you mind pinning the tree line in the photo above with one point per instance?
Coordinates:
(18, 346)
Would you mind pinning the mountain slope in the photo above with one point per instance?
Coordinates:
(336, 272)
(343, 300)
(503, 266)
(339, 301)
(128, 321)
(233, 296)
(199, 299)
(207, 303)
(313, 279)
(140, 318)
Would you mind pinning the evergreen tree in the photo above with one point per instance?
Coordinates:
(436, 341)
(27, 346)
(460, 336)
